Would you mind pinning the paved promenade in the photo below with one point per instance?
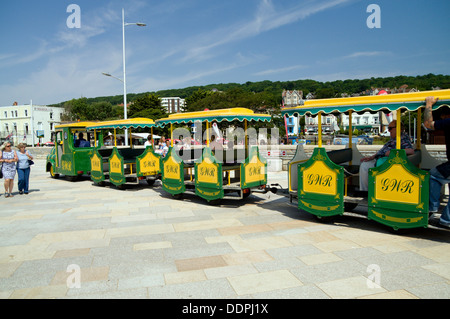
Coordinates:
(76, 240)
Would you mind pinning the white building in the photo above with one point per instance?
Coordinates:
(367, 122)
(172, 104)
(292, 99)
(28, 123)
(329, 124)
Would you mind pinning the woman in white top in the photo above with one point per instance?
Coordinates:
(8, 158)
(23, 168)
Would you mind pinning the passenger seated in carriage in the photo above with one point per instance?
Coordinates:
(371, 161)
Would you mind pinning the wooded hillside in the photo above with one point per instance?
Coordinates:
(274, 89)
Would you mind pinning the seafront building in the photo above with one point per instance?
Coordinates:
(30, 124)
(172, 104)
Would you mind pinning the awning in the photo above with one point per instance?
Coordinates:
(372, 103)
(79, 125)
(229, 115)
(362, 127)
(124, 124)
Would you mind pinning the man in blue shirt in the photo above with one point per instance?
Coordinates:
(440, 175)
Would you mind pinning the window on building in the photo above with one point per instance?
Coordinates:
(12, 113)
(26, 129)
(26, 112)
(6, 114)
(15, 112)
(6, 128)
(51, 115)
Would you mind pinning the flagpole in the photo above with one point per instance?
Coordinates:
(32, 124)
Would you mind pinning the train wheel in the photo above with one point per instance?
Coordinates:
(72, 178)
(178, 196)
(52, 173)
(215, 202)
(326, 219)
(246, 192)
(121, 187)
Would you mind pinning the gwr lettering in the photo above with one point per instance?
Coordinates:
(95, 163)
(115, 164)
(397, 185)
(207, 171)
(149, 164)
(317, 179)
(171, 169)
(255, 171)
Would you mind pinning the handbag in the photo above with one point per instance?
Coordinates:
(30, 162)
(1, 172)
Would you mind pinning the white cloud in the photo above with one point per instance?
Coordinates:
(365, 54)
(280, 70)
(266, 18)
(71, 62)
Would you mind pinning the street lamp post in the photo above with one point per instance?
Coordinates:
(124, 81)
(139, 24)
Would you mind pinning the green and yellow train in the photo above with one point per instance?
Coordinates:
(324, 184)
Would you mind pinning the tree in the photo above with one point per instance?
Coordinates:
(148, 106)
(76, 109)
(190, 101)
(325, 93)
(100, 111)
(81, 110)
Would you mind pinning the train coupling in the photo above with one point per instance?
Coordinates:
(268, 188)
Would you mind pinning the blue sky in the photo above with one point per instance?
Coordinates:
(199, 42)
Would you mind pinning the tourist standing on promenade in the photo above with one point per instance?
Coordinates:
(23, 168)
(8, 158)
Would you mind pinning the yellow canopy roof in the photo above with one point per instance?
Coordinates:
(75, 125)
(390, 102)
(231, 114)
(122, 124)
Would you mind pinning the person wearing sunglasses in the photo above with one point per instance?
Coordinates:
(8, 159)
(371, 161)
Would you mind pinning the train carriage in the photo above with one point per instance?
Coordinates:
(68, 157)
(231, 173)
(326, 184)
(121, 165)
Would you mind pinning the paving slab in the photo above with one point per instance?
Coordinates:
(141, 243)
